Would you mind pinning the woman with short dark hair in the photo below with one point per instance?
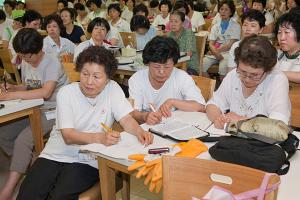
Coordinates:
(253, 88)
(81, 108)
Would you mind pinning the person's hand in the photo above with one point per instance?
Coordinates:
(233, 117)
(145, 137)
(189, 53)
(166, 107)
(219, 56)
(4, 96)
(221, 121)
(110, 138)
(7, 87)
(153, 118)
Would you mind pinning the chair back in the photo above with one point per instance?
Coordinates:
(184, 178)
(294, 95)
(206, 85)
(200, 44)
(207, 25)
(72, 74)
(129, 38)
(9, 68)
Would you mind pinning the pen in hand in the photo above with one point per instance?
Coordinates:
(152, 107)
(107, 129)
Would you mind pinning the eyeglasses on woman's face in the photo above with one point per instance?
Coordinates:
(252, 76)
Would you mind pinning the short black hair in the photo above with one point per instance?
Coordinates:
(154, 3)
(254, 15)
(160, 49)
(114, 6)
(182, 4)
(79, 6)
(256, 51)
(31, 15)
(63, 2)
(230, 4)
(139, 21)
(98, 3)
(263, 2)
(100, 56)
(28, 40)
(12, 4)
(98, 21)
(140, 8)
(56, 18)
(289, 19)
(165, 2)
(71, 11)
(179, 13)
(132, 1)
(2, 15)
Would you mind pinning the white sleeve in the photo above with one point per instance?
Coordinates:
(221, 97)
(136, 92)
(213, 33)
(269, 18)
(231, 57)
(200, 19)
(120, 105)
(65, 116)
(277, 98)
(189, 89)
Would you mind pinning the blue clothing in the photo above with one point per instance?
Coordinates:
(75, 35)
(224, 26)
(142, 40)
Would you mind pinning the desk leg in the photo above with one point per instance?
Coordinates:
(107, 180)
(126, 186)
(36, 127)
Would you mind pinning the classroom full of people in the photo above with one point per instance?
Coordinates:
(254, 46)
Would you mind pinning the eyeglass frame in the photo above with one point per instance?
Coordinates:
(244, 74)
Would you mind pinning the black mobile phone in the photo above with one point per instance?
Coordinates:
(2, 106)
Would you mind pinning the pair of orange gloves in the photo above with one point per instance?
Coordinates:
(152, 170)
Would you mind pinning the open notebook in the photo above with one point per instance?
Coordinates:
(177, 130)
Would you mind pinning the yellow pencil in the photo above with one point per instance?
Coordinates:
(106, 128)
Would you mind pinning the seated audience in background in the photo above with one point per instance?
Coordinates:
(20, 5)
(30, 19)
(162, 85)
(114, 13)
(9, 6)
(153, 10)
(186, 40)
(253, 23)
(144, 32)
(95, 7)
(221, 38)
(61, 4)
(98, 28)
(196, 17)
(82, 15)
(163, 18)
(253, 88)
(81, 108)
(73, 32)
(6, 28)
(292, 4)
(108, 2)
(260, 6)
(141, 9)
(127, 13)
(287, 30)
(57, 46)
(42, 76)
(183, 7)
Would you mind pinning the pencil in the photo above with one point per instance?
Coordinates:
(152, 107)
(106, 128)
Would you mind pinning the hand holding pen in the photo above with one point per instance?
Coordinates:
(153, 117)
(110, 137)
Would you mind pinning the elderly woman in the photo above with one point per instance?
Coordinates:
(54, 44)
(221, 38)
(288, 34)
(114, 12)
(81, 108)
(185, 39)
(98, 28)
(253, 88)
(42, 76)
(73, 32)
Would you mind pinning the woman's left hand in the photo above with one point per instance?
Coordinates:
(145, 137)
(233, 117)
(166, 107)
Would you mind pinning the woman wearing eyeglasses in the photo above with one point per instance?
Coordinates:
(253, 88)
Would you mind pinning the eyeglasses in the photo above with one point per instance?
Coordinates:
(251, 76)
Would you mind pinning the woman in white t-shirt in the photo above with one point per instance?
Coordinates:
(287, 30)
(114, 12)
(253, 88)
(81, 108)
(165, 8)
(60, 47)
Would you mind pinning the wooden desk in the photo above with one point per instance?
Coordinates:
(294, 94)
(107, 167)
(24, 108)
